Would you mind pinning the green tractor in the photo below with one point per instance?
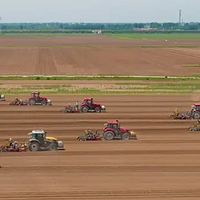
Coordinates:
(40, 142)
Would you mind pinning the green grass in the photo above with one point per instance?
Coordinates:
(99, 77)
(110, 88)
(157, 35)
(192, 65)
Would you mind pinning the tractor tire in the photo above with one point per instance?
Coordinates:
(97, 109)
(196, 115)
(32, 102)
(52, 147)
(126, 136)
(84, 109)
(171, 117)
(34, 146)
(109, 135)
(44, 103)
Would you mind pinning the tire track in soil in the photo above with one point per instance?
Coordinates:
(45, 63)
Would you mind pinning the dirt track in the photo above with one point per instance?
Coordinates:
(163, 164)
(94, 55)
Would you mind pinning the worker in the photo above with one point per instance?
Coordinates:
(16, 101)
(7, 143)
(176, 112)
(11, 143)
(77, 105)
(118, 124)
(15, 145)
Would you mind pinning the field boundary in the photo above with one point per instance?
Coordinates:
(96, 77)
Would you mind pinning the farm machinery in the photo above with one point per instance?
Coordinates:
(18, 102)
(2, 97)
(111, 131)
(88, 135)
(13, 147)
(89, 106)
(40, 142)
(195, 127)
(178, 115)
(70, 109)
(36, 99)
(194, 113)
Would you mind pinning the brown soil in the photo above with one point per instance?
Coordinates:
(164, 163)
(72, 55)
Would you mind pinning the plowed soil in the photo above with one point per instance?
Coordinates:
(164, 163)
(94, 55)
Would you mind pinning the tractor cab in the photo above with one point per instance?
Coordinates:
(115, 126)
(40, 135)
(35, 94)
(88, 101)
(196, 107)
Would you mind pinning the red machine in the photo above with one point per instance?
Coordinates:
(112, 130)
(89, 106)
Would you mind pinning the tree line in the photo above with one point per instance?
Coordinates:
(117, 27)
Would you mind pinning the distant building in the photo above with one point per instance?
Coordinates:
(97, 31)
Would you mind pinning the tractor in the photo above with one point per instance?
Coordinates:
(36, 99)
(2, 97)
(113, 130)
(195, 111)
(40, 142)
(89, 106)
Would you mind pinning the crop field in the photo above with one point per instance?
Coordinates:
(164, 163)
(157, 35)
(97, 54)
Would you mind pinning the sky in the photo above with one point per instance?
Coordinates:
(98, 10)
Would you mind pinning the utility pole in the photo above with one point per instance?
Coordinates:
(180, 17)
(0, 25)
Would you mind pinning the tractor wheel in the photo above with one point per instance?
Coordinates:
(32, 102)
(98, 109)
(109, 135)
(44, 103)
(34, 146)
(196, 115)
(52, 147)
(84, 109)
(126, 136)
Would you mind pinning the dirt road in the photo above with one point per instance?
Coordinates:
(163, 164)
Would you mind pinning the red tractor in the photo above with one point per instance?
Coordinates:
(36, 99)
(195, 111)
(112, 130)
(89, 106)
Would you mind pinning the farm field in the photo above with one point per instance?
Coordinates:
(163, 163)
(94, 55)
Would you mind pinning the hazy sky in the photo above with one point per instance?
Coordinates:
(98, 10)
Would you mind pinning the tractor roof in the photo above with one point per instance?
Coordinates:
(197, 104)
(34, 92)
(113, 123)
(37, 132)
(87, 99)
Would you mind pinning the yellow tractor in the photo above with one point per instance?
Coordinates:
(40, 142)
